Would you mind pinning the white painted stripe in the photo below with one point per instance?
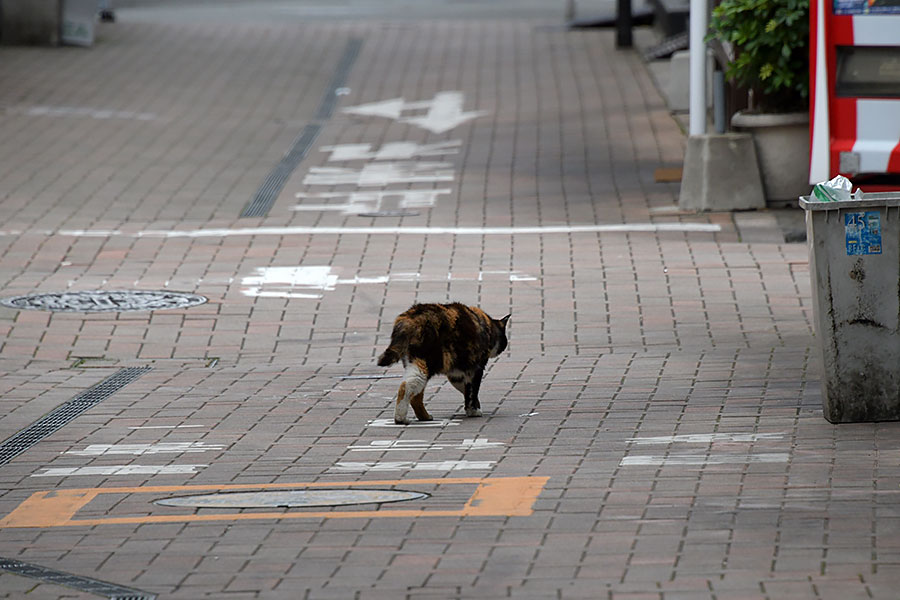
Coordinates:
(94, 113)
(166, 426)
(705, 438)
(371, 201)
(701, 460)
(284, 231)
(121, 470)
(381, 174)
(257, 293)
(391, 151)
(298, 281)
(444, 465)
(318, 276)
(435, 423)
(141, 449)
(424, 445)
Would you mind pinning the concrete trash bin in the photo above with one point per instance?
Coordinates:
(854, 265)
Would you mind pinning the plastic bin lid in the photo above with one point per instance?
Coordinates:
(886, 199)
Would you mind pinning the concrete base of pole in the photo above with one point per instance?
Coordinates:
(720, 174)
(30, 22)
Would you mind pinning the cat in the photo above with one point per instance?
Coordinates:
(450, 339)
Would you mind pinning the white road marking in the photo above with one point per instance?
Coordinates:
(166, 426)
(381, 174)
(317, 277)
(301, 230)
(705, 438)
(423, 445)
(702, 460)
(371, 201)
(94, 113)
(443, 112)
(436, 423)
(309, 281)
(391, 151)
(120, 470)
(445, 465)
(141, 449)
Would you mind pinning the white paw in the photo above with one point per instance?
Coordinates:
(473, 412)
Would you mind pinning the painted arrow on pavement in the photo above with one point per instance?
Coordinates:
(444, 111)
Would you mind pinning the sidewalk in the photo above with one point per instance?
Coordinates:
(654, 430)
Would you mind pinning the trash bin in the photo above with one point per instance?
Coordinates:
(854, 265)
(78, 18)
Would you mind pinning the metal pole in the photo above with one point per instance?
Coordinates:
(623, 24)
(698, 27)
(719, 101)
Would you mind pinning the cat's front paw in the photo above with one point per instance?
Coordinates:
(473, 412)
(401, 420)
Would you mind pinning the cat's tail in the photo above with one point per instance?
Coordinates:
(388, 357)
(398, 346)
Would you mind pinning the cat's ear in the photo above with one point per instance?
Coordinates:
(505, 320)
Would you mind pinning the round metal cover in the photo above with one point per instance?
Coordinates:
(291, 498)
(104, 301)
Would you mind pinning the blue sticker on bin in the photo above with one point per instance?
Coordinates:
(863, 232)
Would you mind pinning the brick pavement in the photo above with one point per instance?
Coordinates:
(663, 382)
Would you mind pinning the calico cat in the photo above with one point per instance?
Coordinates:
(450, 339)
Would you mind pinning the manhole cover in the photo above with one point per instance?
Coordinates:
(390, 213)
(104, 301)
(291, 498)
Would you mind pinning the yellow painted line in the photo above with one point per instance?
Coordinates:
(496, 496)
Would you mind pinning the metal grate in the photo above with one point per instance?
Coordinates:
(82, 584)
(270, 189)
(59, 417)
(341, 72)
(274, 182)
(104, 301)
(667, 47)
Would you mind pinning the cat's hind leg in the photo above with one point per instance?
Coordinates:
(418, 405)
(414, 379)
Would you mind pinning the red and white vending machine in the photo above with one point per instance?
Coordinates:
(855, 91)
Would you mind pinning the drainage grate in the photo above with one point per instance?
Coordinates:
(341, 72)
(104, 301)
(274, 182)
(58, 418)
(270, 189)
(82, 584)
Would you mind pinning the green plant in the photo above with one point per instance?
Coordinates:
(770, 40)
